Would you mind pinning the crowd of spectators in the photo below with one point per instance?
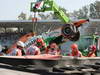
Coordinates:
(7, 39)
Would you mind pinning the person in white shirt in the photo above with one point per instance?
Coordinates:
(18, 50)
(33, 50)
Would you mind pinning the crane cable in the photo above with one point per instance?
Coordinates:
(34, 23)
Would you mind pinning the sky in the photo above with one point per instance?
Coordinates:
(10, 9)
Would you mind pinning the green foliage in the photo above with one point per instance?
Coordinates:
(95, 10)
(90, 11)
(22, 16)
(81, 13)
(44, 16)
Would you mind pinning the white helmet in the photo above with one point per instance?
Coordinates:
(20, 43)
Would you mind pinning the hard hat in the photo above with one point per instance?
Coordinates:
(20, 43)
(74, 46)
(39, 40)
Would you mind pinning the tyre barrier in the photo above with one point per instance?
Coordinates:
(82, 69)
(65, 70)
(93, 69)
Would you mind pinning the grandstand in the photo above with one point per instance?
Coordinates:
(93, 27)
(10, 31)
(28, 25)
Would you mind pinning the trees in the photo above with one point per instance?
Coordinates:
(22, 16)
(81, 13)
(44, 16)
(52, 15)
(95, 10)
(90, 11)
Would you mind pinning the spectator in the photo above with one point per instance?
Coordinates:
(92, 50)
(4, 50)
(75, 52)
(18, 50)
(41, 44)
(53, 49)
(33, 50)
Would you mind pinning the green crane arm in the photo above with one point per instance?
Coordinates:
(69, 30)
(50, 5)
